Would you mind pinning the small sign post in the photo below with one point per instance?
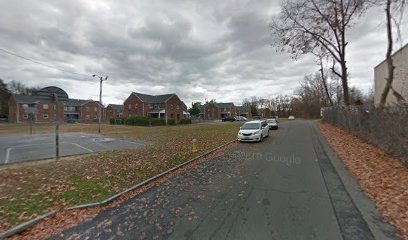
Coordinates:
(31, 111)
(56, 95)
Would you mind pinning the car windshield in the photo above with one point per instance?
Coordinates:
(271, 121)
(250, 126)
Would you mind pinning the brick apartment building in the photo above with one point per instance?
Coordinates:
(220, 110)
(83, 110)
(22, 108)
(114, 111)
(245, 111)
(167, 106)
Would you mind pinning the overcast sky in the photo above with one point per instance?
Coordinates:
(197, 49)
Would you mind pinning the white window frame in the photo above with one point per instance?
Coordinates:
(45, 116)
(45, 106)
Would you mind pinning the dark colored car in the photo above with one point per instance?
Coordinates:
(228, 119)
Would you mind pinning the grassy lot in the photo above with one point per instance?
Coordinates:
(29, 191)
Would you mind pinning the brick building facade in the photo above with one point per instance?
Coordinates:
(168, 106)
(23, 108)
(83, 110)
(220, 110)
(114, 111)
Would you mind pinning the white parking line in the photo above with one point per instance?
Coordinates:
(87, 149)
(7, 155)
(30, 145)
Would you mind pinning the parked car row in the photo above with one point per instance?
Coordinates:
(233, 119)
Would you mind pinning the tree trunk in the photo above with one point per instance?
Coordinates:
(390, 66)
(344, 83)
(325, 82)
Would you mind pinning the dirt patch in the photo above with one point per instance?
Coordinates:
(384, 179)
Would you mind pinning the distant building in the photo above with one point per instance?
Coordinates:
(114, 111)
(23, 108)
(82, 110)
(400, 82)
(245, 111)
(168, 106)
(215, 110)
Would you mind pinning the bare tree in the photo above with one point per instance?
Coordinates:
(305, 25)
(390, 78)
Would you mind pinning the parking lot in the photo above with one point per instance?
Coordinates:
(20, 148)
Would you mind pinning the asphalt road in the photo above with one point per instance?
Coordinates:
(286, 187)
(20, 148)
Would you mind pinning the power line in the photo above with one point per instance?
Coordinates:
(40, 63)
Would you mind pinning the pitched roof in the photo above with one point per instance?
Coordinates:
(153, 98)
(78, 102)
(117, 107)
(224, 105)
(20, 98)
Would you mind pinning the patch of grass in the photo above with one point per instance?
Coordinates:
(22, 208)
(93, 178)
(85, 191)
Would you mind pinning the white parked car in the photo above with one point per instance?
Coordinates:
(253, 131)
(240, 118)
(272, 123)
(291, 117)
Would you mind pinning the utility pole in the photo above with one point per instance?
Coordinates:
(100, 99)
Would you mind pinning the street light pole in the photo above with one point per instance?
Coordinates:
(100, 99)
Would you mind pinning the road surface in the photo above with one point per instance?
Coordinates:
(283, 188)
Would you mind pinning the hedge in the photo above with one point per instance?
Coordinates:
(144, 121)
(185, 121)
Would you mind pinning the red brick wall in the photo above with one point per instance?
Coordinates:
(42, 115)
(89, 112)
(133, 106)
(211, 111)
(45, 109)
(12, 110)
(175, 108)
(110, 112)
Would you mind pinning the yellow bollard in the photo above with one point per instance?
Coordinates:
(194, 148)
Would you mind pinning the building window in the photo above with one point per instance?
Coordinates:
(95, 117)
(88, 117)
(136, 106)
(45, 106)
(25, 116)
(45, 116)
(25, 105)
(151, 106)
(87, 109)
(130, 106)
(95, 109)
(171, 115)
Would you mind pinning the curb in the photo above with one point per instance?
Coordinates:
(380, 228)
(25, 225)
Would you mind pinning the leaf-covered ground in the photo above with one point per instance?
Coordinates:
(383, 178)
(27, 191)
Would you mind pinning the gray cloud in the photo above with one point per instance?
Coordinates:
(197, 49)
